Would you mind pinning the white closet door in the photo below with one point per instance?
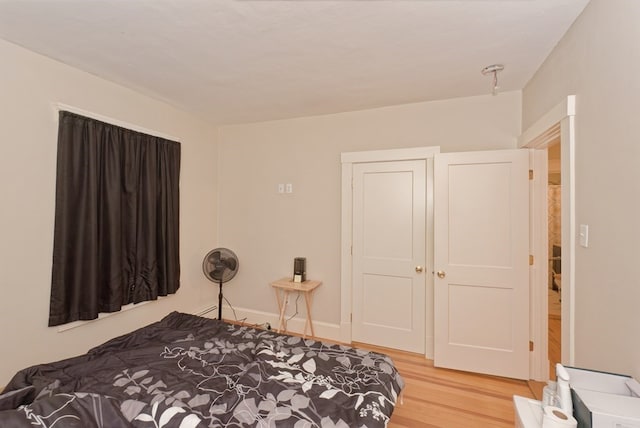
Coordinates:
(481, 254)
(389, 254)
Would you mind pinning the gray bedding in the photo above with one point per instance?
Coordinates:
(191, 372)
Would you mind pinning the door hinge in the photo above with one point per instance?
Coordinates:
(351, 317)
(531, 346)
(530, 174)
(351, 250)
(530, 260)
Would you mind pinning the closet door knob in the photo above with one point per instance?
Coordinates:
(441, 274)
(419, 269)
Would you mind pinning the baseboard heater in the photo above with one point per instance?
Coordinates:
(206, 311)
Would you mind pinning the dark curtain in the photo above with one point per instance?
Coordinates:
(116, 234)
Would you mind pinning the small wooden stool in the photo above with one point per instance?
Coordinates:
(285, 286)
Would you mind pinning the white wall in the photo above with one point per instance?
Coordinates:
(267, 230)
(29, 84)
(599, 61)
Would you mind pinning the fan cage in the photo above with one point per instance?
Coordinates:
(220, 265)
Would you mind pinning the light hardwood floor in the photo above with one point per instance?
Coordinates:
(435, 397)
(442, 398)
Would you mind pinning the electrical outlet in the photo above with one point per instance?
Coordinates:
(267, 326)
(289, 188)
(281, 188)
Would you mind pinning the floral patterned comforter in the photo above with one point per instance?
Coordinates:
(191, 372)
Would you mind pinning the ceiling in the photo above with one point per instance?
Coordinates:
(237, 61)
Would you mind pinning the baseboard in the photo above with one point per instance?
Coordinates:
(429, 348)
(345, 332)
(322, 329)
(206, 311)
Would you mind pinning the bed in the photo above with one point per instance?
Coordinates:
(187, 371)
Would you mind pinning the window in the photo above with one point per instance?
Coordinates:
(116, 235)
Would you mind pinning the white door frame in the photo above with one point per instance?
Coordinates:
(557, 122)
(346, 271)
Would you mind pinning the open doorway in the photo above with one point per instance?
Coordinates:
(556, 127)
(554, 230)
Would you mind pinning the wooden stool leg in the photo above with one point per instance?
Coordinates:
(278, 300)
(308, 299)
(282, 306)
(284, 312)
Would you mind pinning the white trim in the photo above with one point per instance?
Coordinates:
(429, 343)
(559, 121)
(322, 329)
(345, 246)
(390, 155)
(60, 106)
(205, 310)
(547, 138)
(568, 221)
(102, 315)
(539, 272)
(348, 159)
(550, 119)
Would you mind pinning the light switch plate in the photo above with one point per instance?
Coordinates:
(584, 235)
